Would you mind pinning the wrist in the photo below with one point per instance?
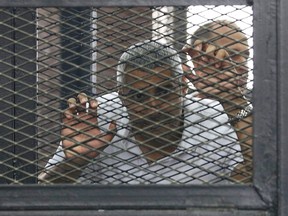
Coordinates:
(241, 114)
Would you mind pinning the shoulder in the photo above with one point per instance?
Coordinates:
(112, 97)
(200, 105)
(109, 102)
(205, 111)
(110, 108)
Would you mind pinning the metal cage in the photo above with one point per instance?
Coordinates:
(52, 50)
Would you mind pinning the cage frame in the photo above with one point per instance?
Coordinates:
(266, 196)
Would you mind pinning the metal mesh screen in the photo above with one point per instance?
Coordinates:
(117, 95)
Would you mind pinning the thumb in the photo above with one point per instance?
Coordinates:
(111, 132)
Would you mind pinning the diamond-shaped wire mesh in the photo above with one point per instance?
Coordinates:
(175, 108)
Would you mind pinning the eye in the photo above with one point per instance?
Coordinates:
(139, 97)
(134, 95)
(165, 90)
(162, 91)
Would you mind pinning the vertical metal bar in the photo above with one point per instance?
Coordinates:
(265, 100)
(114, 39)
(25, 96)
(6, 97)
(180, 29)
(48, 83)
(283, 103)
(76, 54)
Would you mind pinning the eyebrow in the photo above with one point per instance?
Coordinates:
(168, 85)
(142, 90)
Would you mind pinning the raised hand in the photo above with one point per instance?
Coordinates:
(215, 72)
(81, 137)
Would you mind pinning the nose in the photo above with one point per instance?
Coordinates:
(154, 105)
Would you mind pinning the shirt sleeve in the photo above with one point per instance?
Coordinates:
(58, 157)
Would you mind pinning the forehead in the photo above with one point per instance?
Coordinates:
(230, 38)
(140, 79)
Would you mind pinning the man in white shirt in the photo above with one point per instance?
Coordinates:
(220, 53)
(157, 134)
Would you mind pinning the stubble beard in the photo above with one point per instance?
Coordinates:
(158, 132)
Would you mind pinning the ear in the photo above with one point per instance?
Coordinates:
(185, 81)
(185, 68)
(188, 50)
(120, 93)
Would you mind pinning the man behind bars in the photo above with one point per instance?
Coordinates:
(220, 52)
(157, 134)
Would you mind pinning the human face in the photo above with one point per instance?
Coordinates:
(153, 100)
(237, 47)
(221, 64)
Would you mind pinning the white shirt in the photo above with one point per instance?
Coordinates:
(208, 152)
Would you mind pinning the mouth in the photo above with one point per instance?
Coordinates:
(153, 127)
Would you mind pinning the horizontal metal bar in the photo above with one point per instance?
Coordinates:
(198, 212)
(109, 197)
(105, 3)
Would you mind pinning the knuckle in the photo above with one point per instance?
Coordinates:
(82, 97)
(71, 100)
(66, 131)
(68, 113)
(93, 103)
(197, 42)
